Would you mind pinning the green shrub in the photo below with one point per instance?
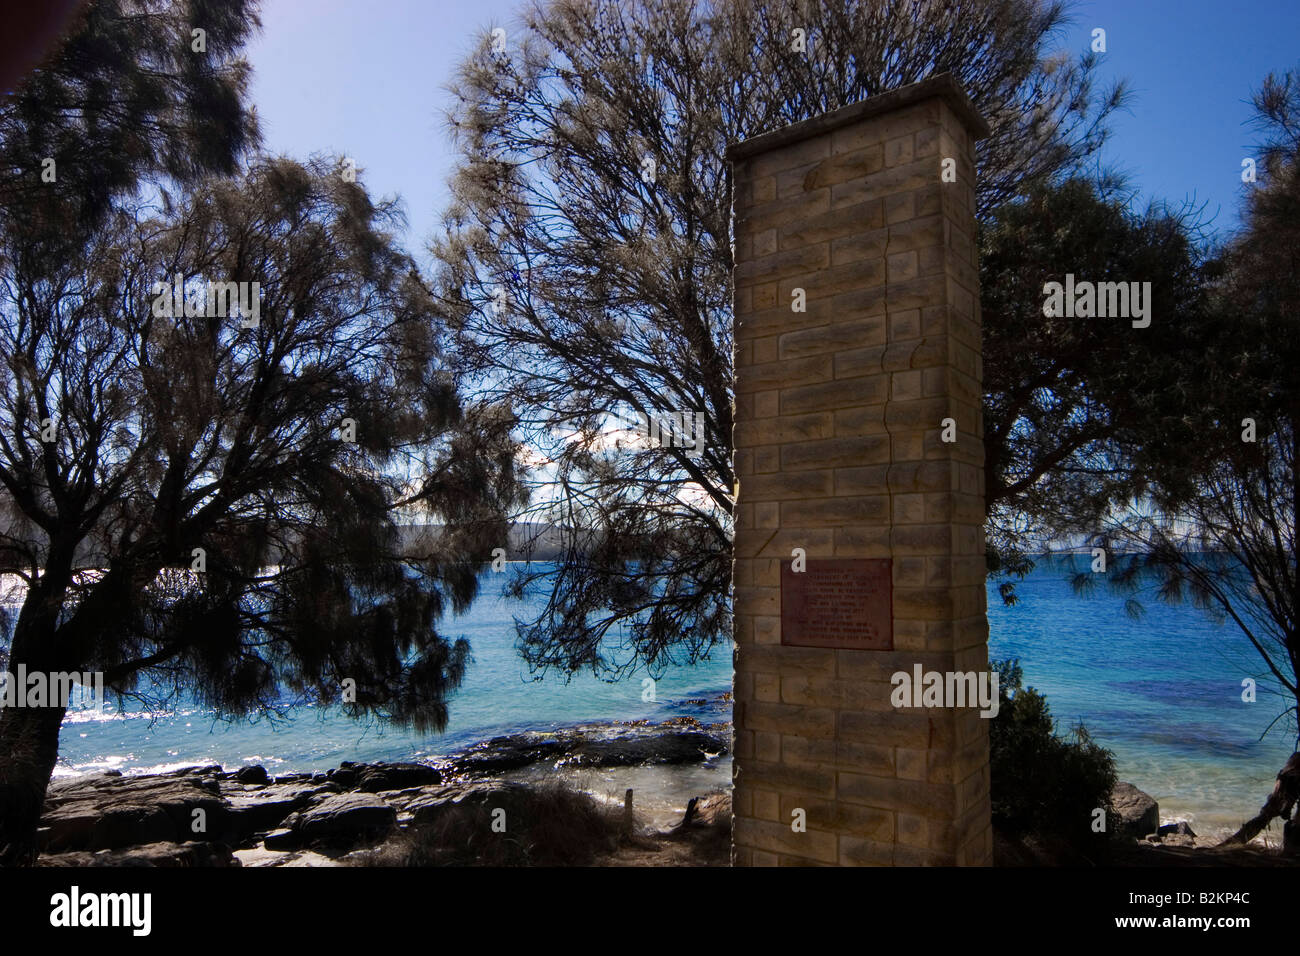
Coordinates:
(1044, 785)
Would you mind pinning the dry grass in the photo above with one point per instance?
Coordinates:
(550, 825)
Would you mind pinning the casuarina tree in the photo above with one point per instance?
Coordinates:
(223, 393)
(212, 420)
(1217, 523)
(587, 257)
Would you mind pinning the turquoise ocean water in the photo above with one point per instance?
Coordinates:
(1164, 693)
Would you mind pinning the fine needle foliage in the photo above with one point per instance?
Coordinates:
(222, 385)
(1217, 525)
(586, 258)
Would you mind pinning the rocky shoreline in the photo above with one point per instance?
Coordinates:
(1142, 841)
(356, 812)
(208, 816)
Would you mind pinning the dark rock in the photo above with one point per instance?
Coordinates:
(713, 810)
(1138, 812)
(396, 776)
(204, 770)
(346, 818)
(119, 826)
(152, 854)
(285, 838)
(400, 797)
(103, 815)
(343, 776)
(265, 809)
(598, 747)
(436, 802)
(1174, 834)
(254, 774)
(133, 810)
(296, 778)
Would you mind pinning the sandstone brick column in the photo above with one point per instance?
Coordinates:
(840, 451)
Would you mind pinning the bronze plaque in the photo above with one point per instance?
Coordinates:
(838, 602)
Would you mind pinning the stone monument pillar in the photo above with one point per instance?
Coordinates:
(859, 519)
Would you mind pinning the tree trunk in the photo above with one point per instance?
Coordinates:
(29, 736)
(29, 747)
(1286, 792)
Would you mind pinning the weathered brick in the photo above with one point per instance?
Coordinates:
(841, 694)
(787, 157)
(779, 838)
(790, 484)
(833, 338)
(891, 793)
(845, 167)
(838, 413)
(807, 750)
(853, 819)
(785, 428)
(831, 225)
(856, 362)
(916, 294)
(900, 207)
(787, 262)
(771, 215)
(899, 150)
(767, 748)
(863, 420)
(869, 480)
(902, 267)
(855, 851)
(896, 179)
(790, 660)
(789, 778)
(836, 452)
(785, 374)
(911, 119)
(835, 395)
(862, 757)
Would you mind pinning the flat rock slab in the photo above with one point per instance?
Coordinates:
(344, 818)
(619, 747)
(162, 854)
(255, 810)
(396, 776)
(262, 857)
(97, 818)
(437, 802)
(102, 811)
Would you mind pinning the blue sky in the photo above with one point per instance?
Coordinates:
(367, 79)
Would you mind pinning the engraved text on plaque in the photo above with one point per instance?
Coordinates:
(838, 602)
